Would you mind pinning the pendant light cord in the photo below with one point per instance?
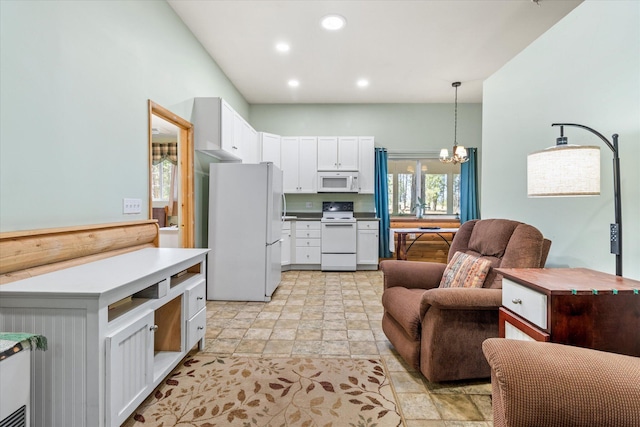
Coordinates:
(455, 122)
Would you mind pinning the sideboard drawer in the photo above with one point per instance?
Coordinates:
(195, 298)
(196, 328)
(525, 302)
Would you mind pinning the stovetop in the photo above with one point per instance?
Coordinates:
(337, 211)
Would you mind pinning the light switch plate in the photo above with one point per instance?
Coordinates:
(131, 206)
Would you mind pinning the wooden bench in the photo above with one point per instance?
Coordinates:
(30, 253)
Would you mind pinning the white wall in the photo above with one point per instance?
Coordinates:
(586, 70)
(75, 78)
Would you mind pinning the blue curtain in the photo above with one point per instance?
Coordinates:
(469, 207)
(382, 202)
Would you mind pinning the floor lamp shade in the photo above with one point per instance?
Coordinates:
(566, 170)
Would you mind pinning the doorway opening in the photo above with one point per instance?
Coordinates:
(171, 187)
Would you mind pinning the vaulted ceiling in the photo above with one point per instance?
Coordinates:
(408, 51)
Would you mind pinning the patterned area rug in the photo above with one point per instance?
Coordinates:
(206, 390)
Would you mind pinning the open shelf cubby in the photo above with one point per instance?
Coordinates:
(185, 275)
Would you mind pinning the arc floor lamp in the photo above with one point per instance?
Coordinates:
(574, 170)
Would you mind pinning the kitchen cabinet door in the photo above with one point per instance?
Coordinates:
(250, 144)
(307, 165)
(285, 253)
(367, 244)
(227, 120)
(327, 153)
(337, 153)
(289, 164)
(270, 145)
(236, 140)
(348, 153)
(366, 165)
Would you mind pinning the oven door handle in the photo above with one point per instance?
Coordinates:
(338, 225)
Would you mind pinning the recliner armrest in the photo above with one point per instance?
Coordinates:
(547, 384)
(412, 274)
(461, 299)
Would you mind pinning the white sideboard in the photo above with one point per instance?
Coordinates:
(115, 329)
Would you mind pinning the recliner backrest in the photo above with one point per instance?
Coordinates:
(506, 243)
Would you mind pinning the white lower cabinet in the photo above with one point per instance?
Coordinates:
(285, 253)
(115, 329)
(367, 246)
(308, 250)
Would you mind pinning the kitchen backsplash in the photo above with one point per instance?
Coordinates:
(300, 202)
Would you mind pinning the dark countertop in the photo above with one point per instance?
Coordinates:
(317, 216)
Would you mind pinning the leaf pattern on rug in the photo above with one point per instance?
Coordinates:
(207, 391)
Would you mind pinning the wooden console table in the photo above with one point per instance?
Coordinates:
(574, 306)
(401, 250)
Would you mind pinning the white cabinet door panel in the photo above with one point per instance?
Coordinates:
(270, 148)
(129, 368)
(327, 153)
(289, 162)
(348, 153)
(308, 165)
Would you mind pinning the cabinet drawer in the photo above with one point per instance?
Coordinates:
(307, 243)
(526, 302)
(195, 298)
(308, 234)
(286, 225)
(196, 327)
(367, 225)
(308, 255)
(307, 225)
(513, 333)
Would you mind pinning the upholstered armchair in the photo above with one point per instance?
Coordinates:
(541, 384)
(440, 330)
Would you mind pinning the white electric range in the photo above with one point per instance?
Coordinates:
(338, 237)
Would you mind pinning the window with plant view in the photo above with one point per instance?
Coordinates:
(423, 186)
(162, 177)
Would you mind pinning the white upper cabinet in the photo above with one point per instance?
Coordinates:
(337, 153)
(270, 145)
(298, 160)
(228, 123)
(327, 153)
(308, 164)
(235, 145)
(219, 130)
(250, 144)
(366, 165)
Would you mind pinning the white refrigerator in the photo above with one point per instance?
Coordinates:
(245, 227)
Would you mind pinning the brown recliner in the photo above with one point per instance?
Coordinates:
(440, 330)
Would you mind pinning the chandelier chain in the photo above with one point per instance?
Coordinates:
(455, 121)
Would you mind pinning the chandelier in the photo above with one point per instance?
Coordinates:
(459, 154)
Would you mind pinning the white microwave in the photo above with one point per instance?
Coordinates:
(338, 182)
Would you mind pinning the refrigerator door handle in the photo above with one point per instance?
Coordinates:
(273, 243)
(284, 212)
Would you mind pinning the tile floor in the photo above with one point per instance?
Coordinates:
(318, 314)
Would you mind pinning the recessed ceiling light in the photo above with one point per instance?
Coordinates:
(282, 47)
(294, 83)
(333, 22)
(362, 83)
